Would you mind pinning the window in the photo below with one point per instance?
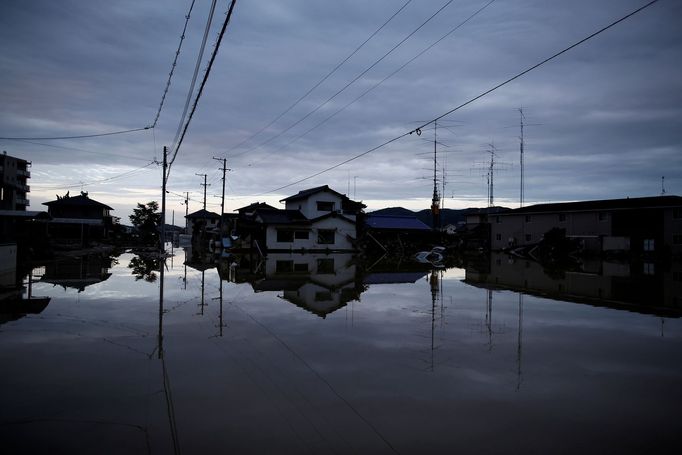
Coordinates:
(649, 245)
(562, 217)
(325, 266)
(301, 267)
(325, 236)
(284, 266)
(323, 296)
(528, 237)
(527, 218)
(498, 236)
(325, 206)
(677, 239)
(649, 268)
(285, 236)
(603, 216)
(301, 235)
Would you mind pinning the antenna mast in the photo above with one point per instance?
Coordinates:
(521, 155)
(435, 201)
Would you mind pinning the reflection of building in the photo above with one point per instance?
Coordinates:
(640, 225)
(318, 283)
(79, 217)
(638, 287)
(78, 273)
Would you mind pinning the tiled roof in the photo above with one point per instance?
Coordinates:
(203, 214)
(278, 216)
(605, 204)
(78, 201)
(395, 222)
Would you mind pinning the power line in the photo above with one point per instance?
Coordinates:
(487, 92)
(175, 61)
(305, 95)
(338, 92)
(195, 74)
(203, 82)
(82, 136)
(94, 182)
(85, 151)
(325, 120)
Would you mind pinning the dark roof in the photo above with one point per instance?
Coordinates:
(606, 204)
(346, 202)
(78, 201)
(279, 216)
(305, 193)
(255, 205)
(395, 222)
(203, 214)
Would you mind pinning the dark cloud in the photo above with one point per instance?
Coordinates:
(609, 110)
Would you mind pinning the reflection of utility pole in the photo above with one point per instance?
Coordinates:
(202, 304)
(518, 345)
(220, 313)
(489, 317)
(434, 298)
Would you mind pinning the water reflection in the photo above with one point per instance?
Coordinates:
(144, 266)
(430, 365)
(634, 286)
(79, 272)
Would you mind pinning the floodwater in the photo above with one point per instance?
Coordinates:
(322, 354)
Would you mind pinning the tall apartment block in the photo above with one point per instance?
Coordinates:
(14, 175)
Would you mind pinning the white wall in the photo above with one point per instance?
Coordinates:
(341, 227)
(308, 207)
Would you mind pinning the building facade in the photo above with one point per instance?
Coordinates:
(14, 175)
(637, 225)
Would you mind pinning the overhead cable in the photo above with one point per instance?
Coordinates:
(82, 136)
(355, 79)
(419, 54)
(175, 61)
(200, 57)
(203, 82)
(487, 92)
(330, 73)
(94, 182)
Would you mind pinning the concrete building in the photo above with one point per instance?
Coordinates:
(637, 225)
(14, 175)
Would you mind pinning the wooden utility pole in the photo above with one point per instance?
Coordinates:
(162, 245)
(204, 185)
(224, 169)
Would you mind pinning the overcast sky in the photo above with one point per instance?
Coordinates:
(604, 119)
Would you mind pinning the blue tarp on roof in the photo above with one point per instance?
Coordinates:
(395, 222)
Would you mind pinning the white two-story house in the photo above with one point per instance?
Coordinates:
(314, 220)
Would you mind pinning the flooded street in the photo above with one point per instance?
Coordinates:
(320, 354)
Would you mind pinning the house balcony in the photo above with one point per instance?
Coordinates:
(24, 173)
(22, 201)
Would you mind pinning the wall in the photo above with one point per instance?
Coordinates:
(342, 229)
(308, 207)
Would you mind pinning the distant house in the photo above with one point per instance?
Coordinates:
(202, 219)
(317, 219)
(80, 217)
(394, 232)
(637, 225)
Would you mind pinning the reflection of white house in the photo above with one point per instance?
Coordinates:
(320, 283)
(317, 219)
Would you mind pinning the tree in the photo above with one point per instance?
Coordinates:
(146, 219)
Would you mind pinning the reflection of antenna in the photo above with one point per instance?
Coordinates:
(518, 343)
